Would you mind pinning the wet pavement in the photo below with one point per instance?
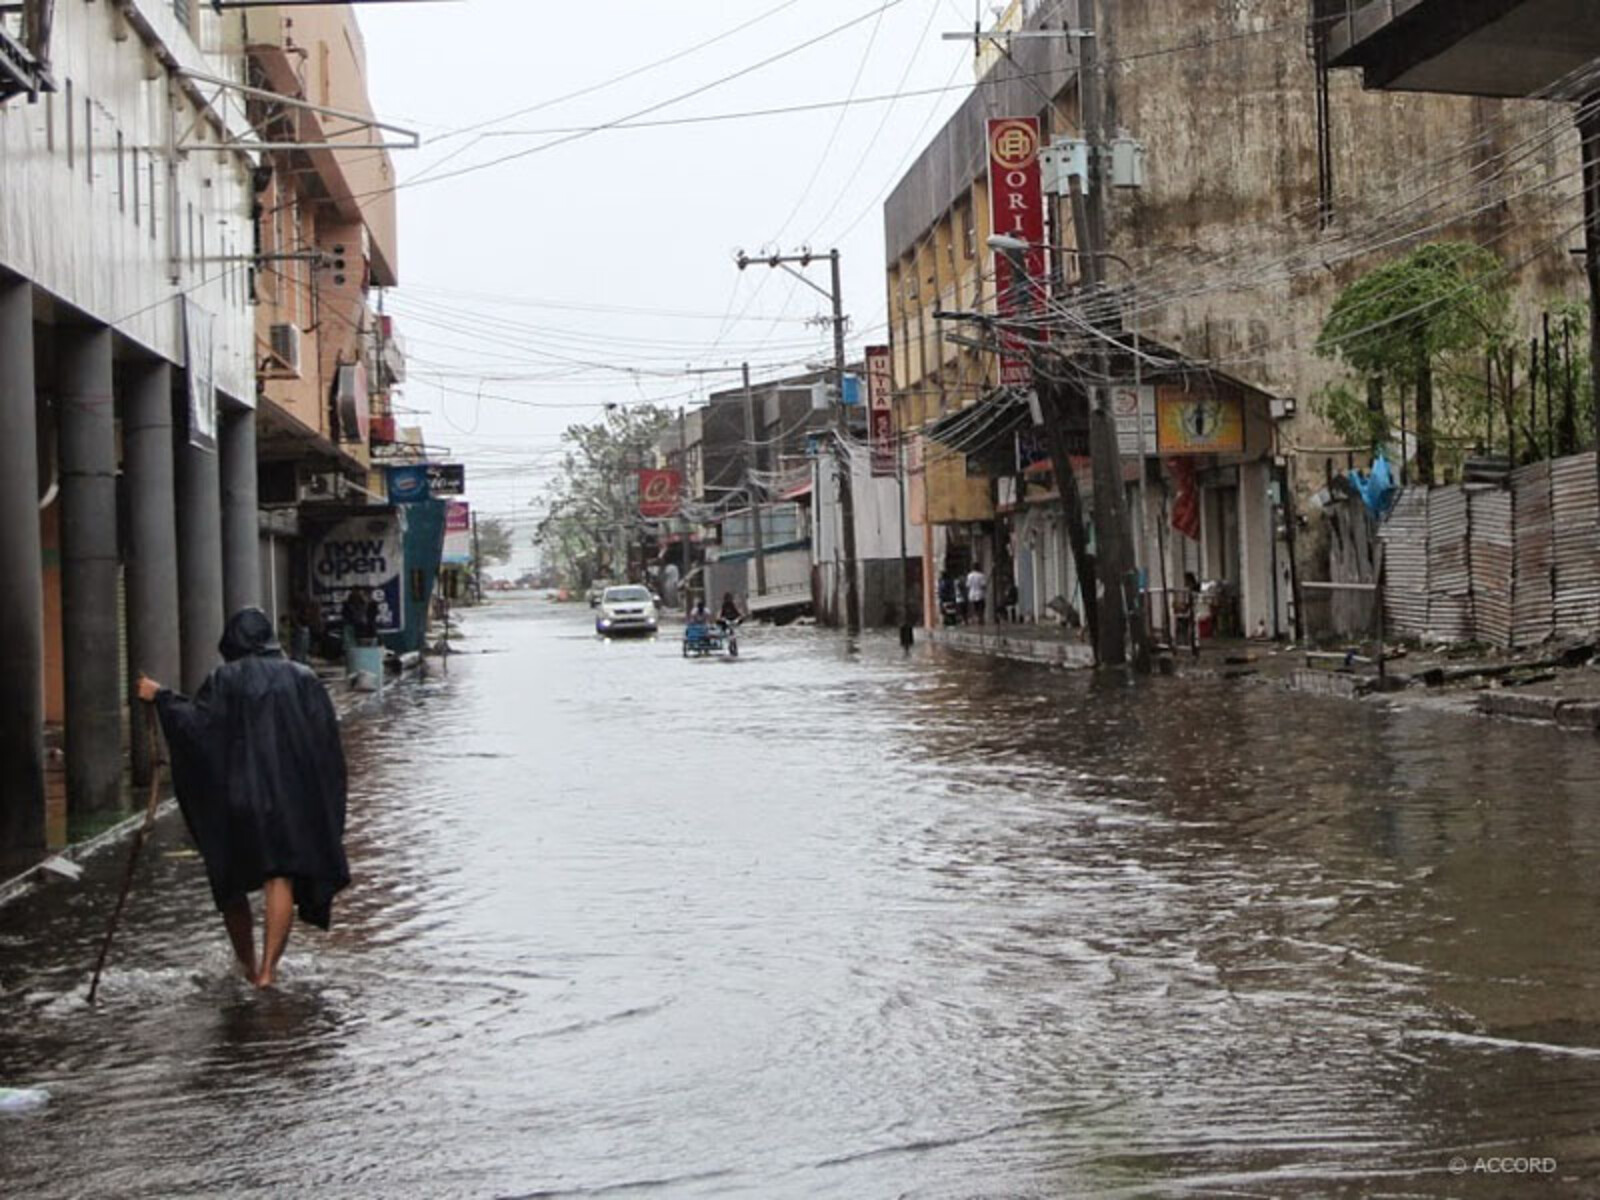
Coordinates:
(815, 923)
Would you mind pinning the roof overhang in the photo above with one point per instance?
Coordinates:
(1505, 48)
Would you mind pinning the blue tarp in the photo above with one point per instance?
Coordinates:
(1375, 487)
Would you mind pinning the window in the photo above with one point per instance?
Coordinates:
(150, 166)
(969, 233)
(88, 140)
(122, 176)
(191, 235)
(72, 156)
(134, 171)
(184, 10)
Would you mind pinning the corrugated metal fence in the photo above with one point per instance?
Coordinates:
(1510, 566)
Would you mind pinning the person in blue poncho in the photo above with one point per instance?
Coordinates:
(259, 770)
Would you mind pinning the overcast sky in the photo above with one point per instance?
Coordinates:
(523, 284)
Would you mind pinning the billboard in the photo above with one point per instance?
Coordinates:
(1016, 209)
(363, 552)
(407, 484)
(659, 493)
(1198, 422)
(880, 411)
(457, 533)
(445, 479)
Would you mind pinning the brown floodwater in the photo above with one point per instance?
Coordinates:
(834, 922)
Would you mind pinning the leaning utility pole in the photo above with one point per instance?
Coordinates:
(843, 454)
(1117, 577)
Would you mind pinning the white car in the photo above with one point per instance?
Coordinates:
(627, 608)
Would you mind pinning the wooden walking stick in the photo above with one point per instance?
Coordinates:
(151, 804)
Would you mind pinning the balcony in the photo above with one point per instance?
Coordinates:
(317, 56)
(1505, 48)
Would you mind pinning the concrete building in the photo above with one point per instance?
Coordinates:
(795, 459)
(1262, 165)
(194, 208)
(127, 384)
(327, 238)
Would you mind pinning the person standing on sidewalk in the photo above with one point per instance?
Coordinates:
(977, 593)
(259, 770)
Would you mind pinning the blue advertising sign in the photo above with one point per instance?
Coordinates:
(408, 484)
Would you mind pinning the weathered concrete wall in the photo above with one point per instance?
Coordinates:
(1231, 127)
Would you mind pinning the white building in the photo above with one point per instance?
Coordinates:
(127, 348)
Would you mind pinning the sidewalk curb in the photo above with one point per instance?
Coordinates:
(348, 704)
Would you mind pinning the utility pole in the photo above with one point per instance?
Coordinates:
(1589, 134)
(843, 455)
(477, 561)
(750, 483)
(1117, 578)
(683, 483)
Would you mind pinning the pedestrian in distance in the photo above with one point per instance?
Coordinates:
(977, 593)
(307, 628)
(730, 609)
(259, 770)
(359, 617)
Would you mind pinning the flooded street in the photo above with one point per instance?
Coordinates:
(814, 923)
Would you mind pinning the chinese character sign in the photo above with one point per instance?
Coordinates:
(1016, 209)
(880, 401)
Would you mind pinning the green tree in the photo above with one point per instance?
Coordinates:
(494, 540)
(591, 507)
(1408, 324)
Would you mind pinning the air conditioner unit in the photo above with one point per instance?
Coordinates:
(286, 347)
(325, 485)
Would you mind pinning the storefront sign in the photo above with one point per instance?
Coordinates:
(445, 479)
(199, 339)
(659, 493)
(407, 484)
(354, 407)
(1016, 209)
(457, 534)
(880, 399)
(1199, 422)
(365, 552)
(1133, 408)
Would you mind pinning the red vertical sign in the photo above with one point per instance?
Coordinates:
(1016, 209)
(880, 411)
(659, 493)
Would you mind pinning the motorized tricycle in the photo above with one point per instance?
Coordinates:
(720, 636)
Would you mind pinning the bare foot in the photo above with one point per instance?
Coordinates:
(263, 979)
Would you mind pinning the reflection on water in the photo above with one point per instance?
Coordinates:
(820, 923)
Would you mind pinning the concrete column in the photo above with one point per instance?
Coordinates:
(88, 456)
(199, 563)
(241, 527)
(22, 815)
(152, 580)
